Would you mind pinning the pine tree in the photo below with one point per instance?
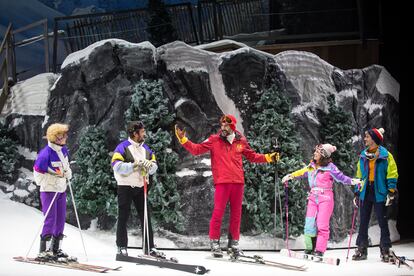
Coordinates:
(272, 120)
(9, 155)
(94, 184)
(336, 129)
(161, 30)
(149, 105)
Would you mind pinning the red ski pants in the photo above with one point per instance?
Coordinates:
(224, 193)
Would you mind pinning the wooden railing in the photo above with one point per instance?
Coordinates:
(7, 59)
(8, 71)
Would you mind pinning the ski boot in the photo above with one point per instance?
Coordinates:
(57, 251)
(157, 254)
(234, 249)
(45, 254)
(215, 249)
(361, 253)
(308, 251)
(122, 250)
(385, 254)
(317, 256)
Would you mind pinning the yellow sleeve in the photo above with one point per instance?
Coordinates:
(300, 173)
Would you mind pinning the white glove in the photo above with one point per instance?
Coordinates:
(356, 201)
(68, 174)
(143, 164)
(146, 164)
(286, 178)
(356, 181)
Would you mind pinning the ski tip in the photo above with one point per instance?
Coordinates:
(201, 270)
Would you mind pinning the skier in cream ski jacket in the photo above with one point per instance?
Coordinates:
(51, 172)
(321, 173)
(132, 162)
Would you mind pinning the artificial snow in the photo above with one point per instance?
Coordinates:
(21, 193)
(206, 161)
(180, 102)
(29, 97)
(20, 227)
(81, 55)
(185, 172)
(28, 155)
(372, 107)
(207, 173)
(386, 84)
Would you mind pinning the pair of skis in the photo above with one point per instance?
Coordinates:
(68, 265)
(171, 263)
(259, 260)
(309, 257)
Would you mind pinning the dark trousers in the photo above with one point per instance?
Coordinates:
(365, 215)
(127, 195)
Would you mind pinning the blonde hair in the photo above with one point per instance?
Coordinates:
(55, 130)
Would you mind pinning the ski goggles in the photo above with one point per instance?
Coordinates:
(226, 120)
(318, 147)
(321, 150)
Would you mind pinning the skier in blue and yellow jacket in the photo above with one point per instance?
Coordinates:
(378, 170)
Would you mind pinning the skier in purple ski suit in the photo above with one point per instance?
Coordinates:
(51, 171)
(321, 173)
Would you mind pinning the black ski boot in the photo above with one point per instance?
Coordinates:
(234, 249)
(157, 254)
(361, 253)
(318, 256)
(215, 249)
(122, 250)
(57, 251)
(385, 254)
(45, 254)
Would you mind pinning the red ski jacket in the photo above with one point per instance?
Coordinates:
(226, 158)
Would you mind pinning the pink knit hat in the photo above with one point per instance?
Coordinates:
(327, 149)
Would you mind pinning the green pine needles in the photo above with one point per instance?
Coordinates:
(9, 155)
(270, 120)
(149, 105)
(94, 183)
(336, 129)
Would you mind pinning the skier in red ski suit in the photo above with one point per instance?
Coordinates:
(226, 149)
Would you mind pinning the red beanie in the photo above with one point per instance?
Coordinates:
(377, 135)
(229, 119)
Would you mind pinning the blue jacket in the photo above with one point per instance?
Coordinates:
(386, 174)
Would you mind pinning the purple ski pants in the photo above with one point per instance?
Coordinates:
(54, 223)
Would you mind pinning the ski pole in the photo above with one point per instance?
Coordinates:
(351, 231)
(41, 226)
(146, 227)
(276, 148)
(287, 214)
(77, 218)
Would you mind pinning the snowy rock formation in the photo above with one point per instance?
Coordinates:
(96, 84)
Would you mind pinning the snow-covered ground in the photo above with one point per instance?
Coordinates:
(20, 224)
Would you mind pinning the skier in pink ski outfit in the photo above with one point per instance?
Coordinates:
(321, 173)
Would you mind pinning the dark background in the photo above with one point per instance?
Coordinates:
(392, 53)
